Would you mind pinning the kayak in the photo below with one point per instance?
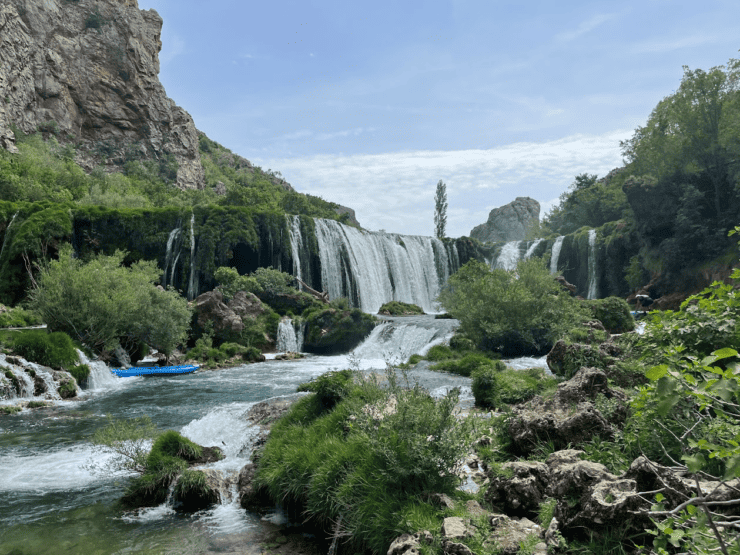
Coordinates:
(153, 371)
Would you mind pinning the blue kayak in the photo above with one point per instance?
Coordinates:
(153, 371)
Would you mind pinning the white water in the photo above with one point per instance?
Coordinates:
(374, 268)
(7, 232)
(100, 375)
(508, 257)
(531, 249)
(288, 340)
(396, 342)
(169, 263)
(296, 240)
(192, 281)
(592, 270)
(556, 246)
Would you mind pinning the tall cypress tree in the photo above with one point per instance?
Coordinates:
(440, 210)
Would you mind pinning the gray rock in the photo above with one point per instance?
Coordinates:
(508, 533)
(93, 83)
(509, 222)
(454, 528)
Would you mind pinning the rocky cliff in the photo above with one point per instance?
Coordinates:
(510, 222)
(87, 72)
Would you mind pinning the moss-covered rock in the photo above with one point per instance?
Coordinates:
(398, 308)
(614, 313)
(333, 330)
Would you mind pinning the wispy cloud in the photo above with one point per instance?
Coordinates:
(394, 191)
(670, 44)
(585, 27)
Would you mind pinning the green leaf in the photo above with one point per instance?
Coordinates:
(694, 462)
(732, 467)
(657, 372)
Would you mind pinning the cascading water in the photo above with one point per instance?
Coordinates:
(296, 240)
(592, 285)
(399, 338)
(532, 248)
(508, 257)
(7, 231)
(556, 246)
(193, 282)
(372, 268)
(100, 375)
(289, 339)
(173, 252)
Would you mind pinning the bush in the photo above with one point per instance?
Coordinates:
(439, 352)
(18, 318)
(460, 343)
(80, 373)
(495, 388)
(398, 308)
(55, 350)
(466, 365)
(330, 388)
(516, 313)
(613, 312)
(368, 460)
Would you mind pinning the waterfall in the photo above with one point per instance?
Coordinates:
(398, 340)
(172, 240)
(372, 268)
(100, 375)
(7, 231)
(532, 248)
(289, 340)
(556, 246)
(508, 257)
(296, 241)
(193, 283)
(592, 286)
(24, 387)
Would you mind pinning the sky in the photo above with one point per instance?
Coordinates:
(370, 104)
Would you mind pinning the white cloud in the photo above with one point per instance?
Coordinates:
(671, 44)
(585, 27)
(394, 191)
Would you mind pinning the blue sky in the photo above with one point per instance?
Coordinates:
(369, 104)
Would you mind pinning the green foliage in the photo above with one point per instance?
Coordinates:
(368, 460)
(173, 444)
(55, 350)
(468, 364)
(18, 317)
(128, 439)
(514, 313)
(330, 388)
(102, 302)
(398, 308)
(613, 312)
(335, 330)
(8, 409)
(80, 373)
(439, 352)
(497, 386)
(440, 210)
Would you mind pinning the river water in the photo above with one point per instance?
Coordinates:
(51, 503)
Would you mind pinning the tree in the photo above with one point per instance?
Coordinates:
(103, 304)
(440, 209)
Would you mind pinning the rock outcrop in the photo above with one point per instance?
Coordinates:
(510, 222)
(87, 72)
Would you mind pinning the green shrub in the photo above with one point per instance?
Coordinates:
(9, 409)
(439, 352)
(415, 359)
(495, 388)
(18, 318)
(460, 343)
(330, 388)
(55, 350)
(37, 404)
(252, 354)
(68, 389)
(80, 373)
(466, 365)
(173, 444)
(398, 308)
(192, 492)
(613, 312)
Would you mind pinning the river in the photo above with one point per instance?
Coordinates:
(51, 503)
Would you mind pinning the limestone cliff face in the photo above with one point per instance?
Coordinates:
(87, 71)
(510, 222)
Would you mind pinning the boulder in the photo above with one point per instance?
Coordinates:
(455, 528)
(408, 544)
(569, 417)
(509, 222)
(519, 487)
(508, 534)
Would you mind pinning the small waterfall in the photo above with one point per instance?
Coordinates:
(294, 230)
(398, 339)
(556, 246)
(193, 282)
(43, 374)
(100, 375)
(7, 231)
(508, 257)
(532, 248)
(289, 340)
(371, 268)
(592, 285)
(23, 389)
(173, 250)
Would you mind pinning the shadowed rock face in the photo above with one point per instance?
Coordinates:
(510, 222)
(88, 72)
